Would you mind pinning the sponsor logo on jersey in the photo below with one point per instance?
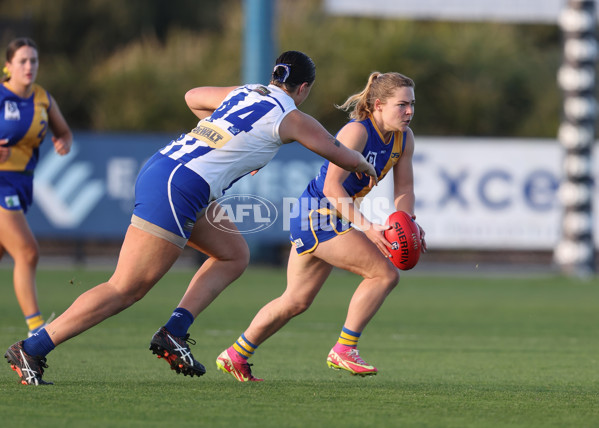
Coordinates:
(210, 134)
(11, 111)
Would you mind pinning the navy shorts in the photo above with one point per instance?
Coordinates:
(315, 221)
(16, 190)
(169, 197)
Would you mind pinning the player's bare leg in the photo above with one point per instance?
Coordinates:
(143, 260)
(18, 240)
(228, 258)
(354, 252)
(305, 276)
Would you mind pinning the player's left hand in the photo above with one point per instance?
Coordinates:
(61, 146)
(4, 151)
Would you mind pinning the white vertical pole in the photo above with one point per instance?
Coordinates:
(575, 254)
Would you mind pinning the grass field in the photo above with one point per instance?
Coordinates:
(451, 352)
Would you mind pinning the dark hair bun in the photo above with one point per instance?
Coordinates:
(294, 68)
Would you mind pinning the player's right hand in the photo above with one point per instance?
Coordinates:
(376, 234)
(367, 168)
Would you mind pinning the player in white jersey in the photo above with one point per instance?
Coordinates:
(240, 130)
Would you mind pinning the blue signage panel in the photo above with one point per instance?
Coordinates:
(89, 194)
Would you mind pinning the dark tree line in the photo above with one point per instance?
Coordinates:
(117, 65)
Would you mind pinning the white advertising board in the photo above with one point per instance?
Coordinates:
(485, 193)
(521, 11)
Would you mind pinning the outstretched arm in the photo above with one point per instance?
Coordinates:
(303, 128)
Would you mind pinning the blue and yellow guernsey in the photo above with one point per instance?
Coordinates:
(24, 122)
(380, 154)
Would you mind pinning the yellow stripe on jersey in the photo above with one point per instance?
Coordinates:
(210, 134)
(22, 151)
(396, 153)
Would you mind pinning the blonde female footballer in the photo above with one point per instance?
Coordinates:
(322, 234)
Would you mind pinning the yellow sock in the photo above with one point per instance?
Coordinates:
(348, 337)
(244, 347)
(34, 321)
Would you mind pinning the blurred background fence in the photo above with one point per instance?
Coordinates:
(487, 162)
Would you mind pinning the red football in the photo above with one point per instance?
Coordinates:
(404, 236)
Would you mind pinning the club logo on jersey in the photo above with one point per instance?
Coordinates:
(262, 90)
(371, 158)
(12, 201)
(298, 242)
(11, 111)
(248, 213)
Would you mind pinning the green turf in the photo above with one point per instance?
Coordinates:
(451, 352)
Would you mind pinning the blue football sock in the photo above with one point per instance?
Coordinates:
(39, 344)
(179, 322)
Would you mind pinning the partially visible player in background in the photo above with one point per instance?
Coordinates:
(26, 112)
(322, 234)
(240, 130)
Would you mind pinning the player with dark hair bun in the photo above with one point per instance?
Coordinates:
(240, 130)
(293, 68)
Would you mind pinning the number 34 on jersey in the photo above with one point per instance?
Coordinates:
(239, 119)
